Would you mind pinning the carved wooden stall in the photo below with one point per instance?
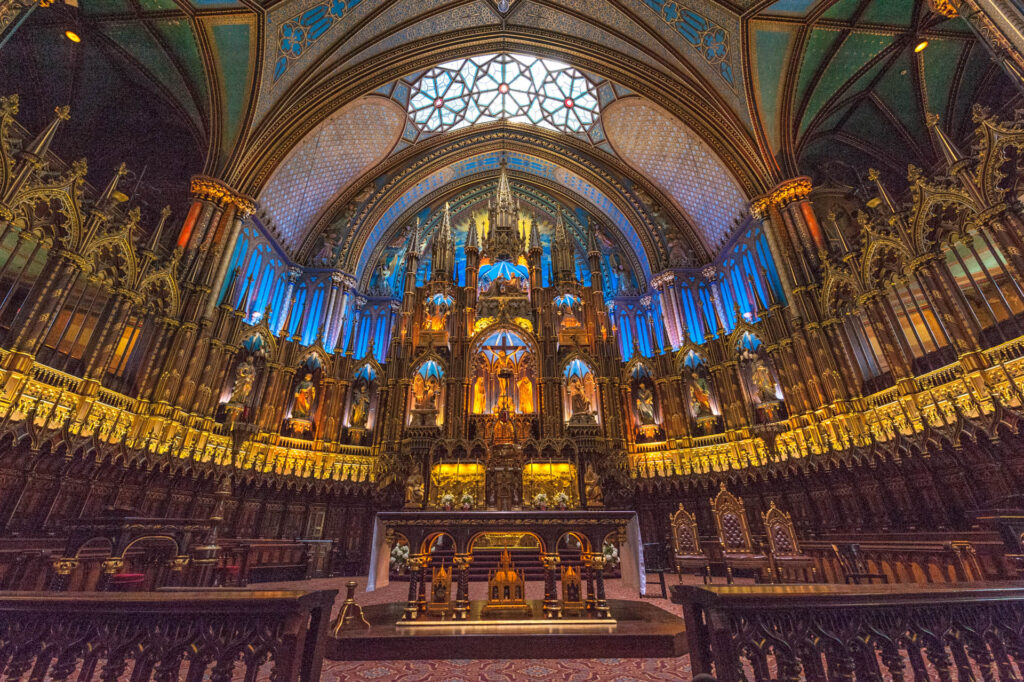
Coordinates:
(165, 635)
(801, 631)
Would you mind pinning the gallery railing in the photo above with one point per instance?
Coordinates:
(212, 634)
(864, 632)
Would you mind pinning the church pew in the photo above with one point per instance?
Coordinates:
(107, 636)
(795, 632)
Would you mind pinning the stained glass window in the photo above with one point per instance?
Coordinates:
(509, 87)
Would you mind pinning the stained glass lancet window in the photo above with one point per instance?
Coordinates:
(510, 87)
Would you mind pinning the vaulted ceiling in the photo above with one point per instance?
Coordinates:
(708, 102)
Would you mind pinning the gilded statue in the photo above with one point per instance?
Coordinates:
(360, 406)
(435, 313)
(305, 394)
(592, 488)
(245, 378)
(578, 397)
(763, 382)
(414, 490)
(645, 404)
(479, 396)
(525, 395)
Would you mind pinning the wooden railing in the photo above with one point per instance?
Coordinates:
(253, 561)
(915, 557)
(797, 632)
(206, 634)
(28, 564)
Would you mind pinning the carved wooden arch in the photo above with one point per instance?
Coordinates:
(169, 305)
(316, 350)
(684, 352)
(831, 298)
(425, 357)
(261, 330)
(67, 192)
(577, 354)
(736, 335)
(125, 273)
(927, 199)
(370, 361)
(879, 255)
(477, 340)
(634, 362)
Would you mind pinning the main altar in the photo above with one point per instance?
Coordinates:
(469, 529)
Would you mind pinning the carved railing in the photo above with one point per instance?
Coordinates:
(859, 632)
(165, 635)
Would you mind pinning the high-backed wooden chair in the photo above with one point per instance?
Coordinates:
(686, 545)
(783, 546)
(738, 550)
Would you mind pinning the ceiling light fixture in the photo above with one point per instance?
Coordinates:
(920, 46)
(72, 36)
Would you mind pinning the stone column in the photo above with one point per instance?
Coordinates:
(462, 563)
(663, 285)
(287, 300)
(332, 300)
(552, 607)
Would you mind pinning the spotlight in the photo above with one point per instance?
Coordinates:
(72, 36)
(920, 46)
(874, 202)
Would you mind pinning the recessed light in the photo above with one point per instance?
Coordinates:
(874, 202)
(72, 36)
(920, 46)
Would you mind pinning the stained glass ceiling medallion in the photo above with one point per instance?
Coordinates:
(508, 87)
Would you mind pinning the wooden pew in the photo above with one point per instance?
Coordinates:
(204, 634)
(796, 632)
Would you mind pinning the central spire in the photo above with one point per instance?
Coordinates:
(504, 201)
(504, 240)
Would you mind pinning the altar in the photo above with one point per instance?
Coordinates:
(466, 528)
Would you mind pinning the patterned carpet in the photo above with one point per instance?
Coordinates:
(577, 670)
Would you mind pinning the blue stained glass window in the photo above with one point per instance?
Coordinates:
(510, 87)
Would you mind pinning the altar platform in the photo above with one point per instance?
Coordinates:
(636, 630)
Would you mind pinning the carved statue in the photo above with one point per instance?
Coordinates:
(425, 392)
(578, 397)
(700, 396)
(436, 312)
(360, 406)
(504, 429)
(763, 382)
(592, 488)
(645, 404)
(414, 490)
(305, 394)
(245, 378)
